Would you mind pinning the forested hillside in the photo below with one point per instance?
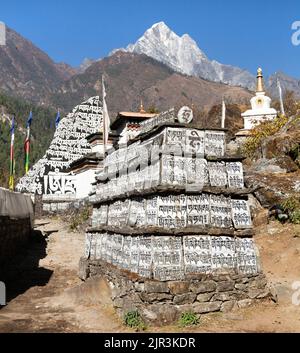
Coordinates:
(42, 130)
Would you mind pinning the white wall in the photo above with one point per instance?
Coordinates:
(84, 182)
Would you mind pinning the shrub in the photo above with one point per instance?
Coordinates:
(295, 217)
(133, 319)
(260, 132)
(79, 218)
(292, 206)
(188, 319)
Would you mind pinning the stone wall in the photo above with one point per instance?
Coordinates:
(16, 223)
(14, 235)
(171, 229)
(162, 302)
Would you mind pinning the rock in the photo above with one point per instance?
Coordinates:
(203, 287)
(201, 308)
(228, 306)
(152, 297)
(186, 298)
(223, 296)
(160, 314)
(253, 292)
(225, 286)
(274, 295)
(149, 315)
(264, 165)
(240, 286)
(126, 303)
(156, 287)
(244, 303)
(259, 283)
(139, 287)
(204, 297)
(179, 287)
(286, 163)
(264, 294)
(84, 270)
(260, 218)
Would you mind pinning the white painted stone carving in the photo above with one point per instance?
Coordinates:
(220, 211)
(69, 144)
(171, 257)
(241, 215)
(214, 143)
(198, 210)
(185, 115)
(235, 175)
(167, 258)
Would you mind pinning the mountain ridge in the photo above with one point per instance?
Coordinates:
(162, 44)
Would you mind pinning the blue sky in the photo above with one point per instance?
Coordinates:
(242, 33)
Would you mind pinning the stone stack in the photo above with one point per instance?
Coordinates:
(171, 228)
(50, 176)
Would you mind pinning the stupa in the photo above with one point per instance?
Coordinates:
(260, 106)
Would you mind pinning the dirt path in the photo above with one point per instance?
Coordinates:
(48, 296)
(48, 300)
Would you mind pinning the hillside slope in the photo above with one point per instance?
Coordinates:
(131, 77)
(26, 71)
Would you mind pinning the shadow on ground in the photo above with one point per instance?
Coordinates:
(22, 271)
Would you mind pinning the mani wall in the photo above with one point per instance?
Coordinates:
(49, 176)
(16, 223)
(171, 228)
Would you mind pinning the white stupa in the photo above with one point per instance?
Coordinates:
(260, 106)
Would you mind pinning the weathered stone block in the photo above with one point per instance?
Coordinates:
(201, 308)
(258, 283)
(152, 297)
(228, 306)
(253, 292)
(203, 287)
(139, 287)
(84, 270)
(184, 298)
(178, 287)
(204, 297)
(156, 287)
(223, 296)
(241, 286)
(244, 303)
(225, 286)
(160, 314)
(264, 294)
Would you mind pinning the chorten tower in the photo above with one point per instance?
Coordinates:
(260, 106)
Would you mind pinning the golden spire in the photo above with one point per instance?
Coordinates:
(142, 111)
(260, 81)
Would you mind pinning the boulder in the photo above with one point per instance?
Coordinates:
(178, 287)
(228, 306)
(225, 286)
(156, 287)
(201, 308)
(204, 297)
(186, 298)
(203, 287)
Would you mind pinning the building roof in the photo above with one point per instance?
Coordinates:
(134, 116)
(88, 161)
(99, 136)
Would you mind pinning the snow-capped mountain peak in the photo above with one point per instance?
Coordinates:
(182, 54)
(162, 44)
